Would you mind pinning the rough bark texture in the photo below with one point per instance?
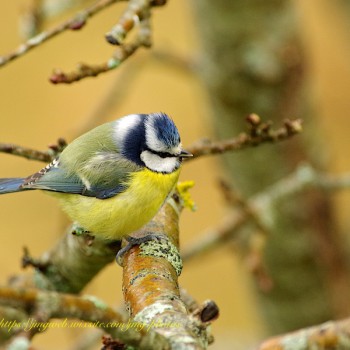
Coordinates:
(151, 290)
(252, 63)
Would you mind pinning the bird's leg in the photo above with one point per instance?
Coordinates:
(133, 241)
(153, 245)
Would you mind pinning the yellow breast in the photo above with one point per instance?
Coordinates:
(124, 213)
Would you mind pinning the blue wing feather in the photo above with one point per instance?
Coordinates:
(101, 172)
(54, 177)
(10, 185)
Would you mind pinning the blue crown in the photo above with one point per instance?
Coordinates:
(165, 129)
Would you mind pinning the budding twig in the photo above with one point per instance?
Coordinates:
(259, 132)
(122, 53)
(29, 153)
(75, 23)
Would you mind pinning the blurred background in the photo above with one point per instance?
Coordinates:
(308, 62)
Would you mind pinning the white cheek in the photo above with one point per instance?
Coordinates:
(152, 139)
(159, 164)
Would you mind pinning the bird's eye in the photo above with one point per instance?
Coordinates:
(162, 154)
(165, 154)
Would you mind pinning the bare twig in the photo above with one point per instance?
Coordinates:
(260, 211)
(305, 177)
(254, 259)
(213, 238)
(39, 12)
(120, 55)
(138, 12)
(75, 23)
(198, 149)
(28, 153)
(259, 133)
(135, 13)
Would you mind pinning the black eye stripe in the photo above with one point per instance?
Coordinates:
(162, 154)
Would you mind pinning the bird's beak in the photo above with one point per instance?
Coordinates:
(185, 154)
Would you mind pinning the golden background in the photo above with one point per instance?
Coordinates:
(35, 113)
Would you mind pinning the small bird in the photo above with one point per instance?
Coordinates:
(112, 180)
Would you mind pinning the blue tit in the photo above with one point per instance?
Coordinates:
(112, 180)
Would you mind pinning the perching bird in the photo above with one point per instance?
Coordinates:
(112, 180)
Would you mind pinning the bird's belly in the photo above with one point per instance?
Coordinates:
(124, 213)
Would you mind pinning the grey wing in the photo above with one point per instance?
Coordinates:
(100, 177)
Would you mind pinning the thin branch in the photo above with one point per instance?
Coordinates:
(330, 335)
(259, 210)
(305, 177)
(120, 55)
(213, 238)
(137, 13)
(39, 12)
(28, 153)
(259, 133)
(75, 23)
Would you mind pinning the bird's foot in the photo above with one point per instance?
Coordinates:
(133, 241)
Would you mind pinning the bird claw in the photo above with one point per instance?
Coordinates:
(133, 241)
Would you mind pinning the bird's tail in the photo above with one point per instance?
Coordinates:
(11, 185)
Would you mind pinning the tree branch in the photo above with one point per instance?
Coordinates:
(305, 177)
(46, 305)
(28, 153)
(151, 288)
(122, 53)
(75, 23)
(137, 13)
(260, 132)
(149, 283)
(71, 264)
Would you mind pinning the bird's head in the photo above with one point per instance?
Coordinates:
(151, 140)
